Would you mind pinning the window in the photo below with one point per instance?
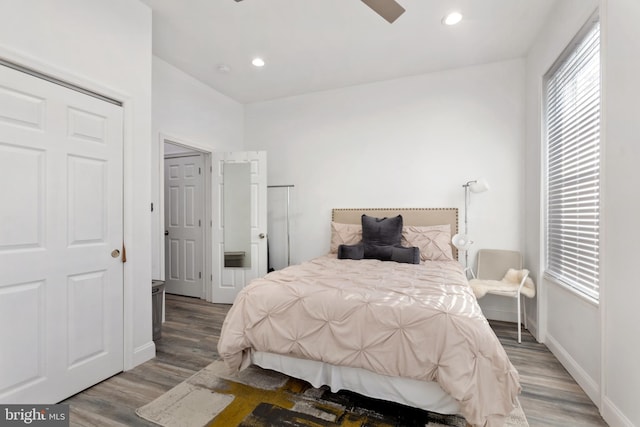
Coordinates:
(572, 122)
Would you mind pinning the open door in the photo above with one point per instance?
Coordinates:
(239, 221)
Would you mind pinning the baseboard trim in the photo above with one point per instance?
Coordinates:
(143, 353)
(588, 384)
(612, 415)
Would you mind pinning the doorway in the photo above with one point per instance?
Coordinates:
(187, 219)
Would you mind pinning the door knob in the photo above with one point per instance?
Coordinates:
(262, 235)
(115, 253)
(166, 232)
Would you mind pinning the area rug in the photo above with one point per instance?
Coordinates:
(259, 397)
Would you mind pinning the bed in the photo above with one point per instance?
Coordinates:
(410, 333)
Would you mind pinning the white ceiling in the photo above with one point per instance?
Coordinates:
(313, 45)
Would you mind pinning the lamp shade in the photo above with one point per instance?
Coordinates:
(479, 186)
(461, 241)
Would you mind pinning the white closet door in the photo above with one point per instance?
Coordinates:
(61, 296)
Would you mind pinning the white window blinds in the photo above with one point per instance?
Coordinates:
(573, 164)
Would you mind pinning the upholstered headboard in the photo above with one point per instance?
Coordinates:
(410, 216)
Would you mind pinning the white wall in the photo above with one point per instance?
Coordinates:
(187, 111)
(621, 213)
(566, 323)
(105, 46)
(410, 142)
(172, 149)
(597, 343)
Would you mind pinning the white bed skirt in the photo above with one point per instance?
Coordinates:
(419, 394)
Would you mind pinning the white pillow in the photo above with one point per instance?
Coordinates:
(434, 241)
(344, 234)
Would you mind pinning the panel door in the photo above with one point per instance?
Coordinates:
(61, 296)
(184, 225)
(229, 280)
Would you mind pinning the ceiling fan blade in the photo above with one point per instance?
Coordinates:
(388, 9)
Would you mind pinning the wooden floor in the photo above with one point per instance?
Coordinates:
(549, 396)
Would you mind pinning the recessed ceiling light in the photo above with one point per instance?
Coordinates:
(452, 18)
(258, 62)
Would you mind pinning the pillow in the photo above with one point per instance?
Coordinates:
(351, 251)
(381, 239)
(432, 240)
(344, 234)
(407, 255)
(380, 252)
(381, 231)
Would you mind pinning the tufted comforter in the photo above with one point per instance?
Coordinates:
(416, 321)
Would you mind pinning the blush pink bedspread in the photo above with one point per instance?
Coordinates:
(416, 321)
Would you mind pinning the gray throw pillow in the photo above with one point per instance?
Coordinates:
(410, 255)
(351, 251)
(381, 240)
(381, 231)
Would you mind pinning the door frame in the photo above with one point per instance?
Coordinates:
(208, 207)
(132, 355)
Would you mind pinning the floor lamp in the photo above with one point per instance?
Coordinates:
(462, 241)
